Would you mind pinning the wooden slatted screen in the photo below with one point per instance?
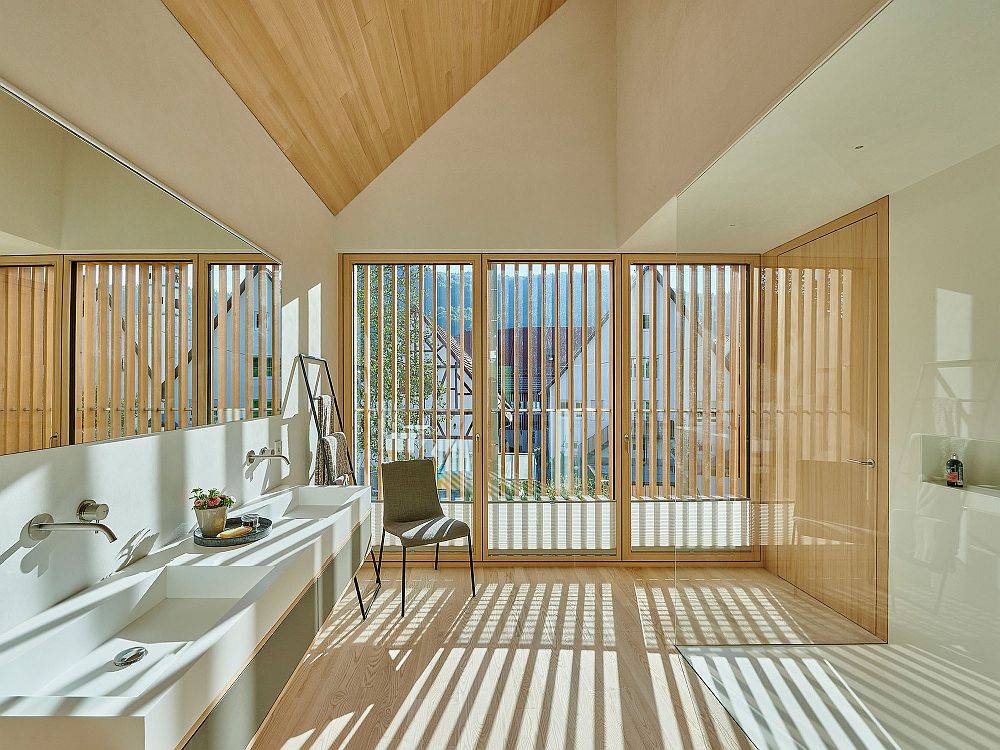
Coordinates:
(133, 336)
(29, 358)
(551, 348)
(413, 376)
(689, 406)
(244, 357)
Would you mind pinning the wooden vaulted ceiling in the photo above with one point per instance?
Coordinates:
(345, 86)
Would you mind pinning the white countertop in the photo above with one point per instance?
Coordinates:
(201, 629)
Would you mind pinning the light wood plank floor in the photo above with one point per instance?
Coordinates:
(569, 657)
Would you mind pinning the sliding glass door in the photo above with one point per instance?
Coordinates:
(689, 408)
(412, 383)
(550, 369)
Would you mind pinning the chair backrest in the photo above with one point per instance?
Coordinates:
(408, 491)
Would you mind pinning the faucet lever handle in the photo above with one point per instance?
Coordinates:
(91, 510)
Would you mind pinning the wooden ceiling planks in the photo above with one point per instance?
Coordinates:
(345, 86)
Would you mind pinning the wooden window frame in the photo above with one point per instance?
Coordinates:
(69, 305)
(752, 555)
(203, 343)
(621, 263)
(64, 270)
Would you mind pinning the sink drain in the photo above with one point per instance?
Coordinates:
(130, 656)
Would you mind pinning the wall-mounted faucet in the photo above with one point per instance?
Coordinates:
(90, 514)
(266, 455)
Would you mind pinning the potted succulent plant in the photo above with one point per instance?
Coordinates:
(210, 507)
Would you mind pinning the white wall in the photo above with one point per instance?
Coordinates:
(693, 75)
(524, 160)
(125, 72)
(944, 370)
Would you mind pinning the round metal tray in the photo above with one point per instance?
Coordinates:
(263, 529)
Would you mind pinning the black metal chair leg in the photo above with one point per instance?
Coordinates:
(381, 547)
(378, 573)
(361, 601)
(402, 596)
(436, 548)
(472, 571)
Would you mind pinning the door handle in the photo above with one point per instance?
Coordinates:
(862, 461)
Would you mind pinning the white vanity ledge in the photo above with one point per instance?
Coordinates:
(201, 612)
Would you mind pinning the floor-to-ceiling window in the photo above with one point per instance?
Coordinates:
(412, 379)
(550, 350)
(526, 377)
(688, 407)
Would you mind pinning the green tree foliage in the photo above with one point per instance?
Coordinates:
(396, 374)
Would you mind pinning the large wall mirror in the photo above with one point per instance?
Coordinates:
(124, 311)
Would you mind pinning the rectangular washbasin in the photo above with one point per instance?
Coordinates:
(308, 502)
(71, 653)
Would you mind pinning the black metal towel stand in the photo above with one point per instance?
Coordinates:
(325, 366)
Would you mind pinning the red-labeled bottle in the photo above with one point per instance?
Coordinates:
(954, 472)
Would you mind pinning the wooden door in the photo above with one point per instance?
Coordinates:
(823, 415)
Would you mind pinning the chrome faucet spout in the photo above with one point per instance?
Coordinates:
(89, 513)
(265, 455)
(95, 526)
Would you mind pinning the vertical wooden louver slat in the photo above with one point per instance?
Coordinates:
(22, 373)
(9, 327)
(680, 392)
(243, 316)
(599, 380)
(144, 364)
(665, 370)
(462, 429)
(364, 389)
(129, 350)
(261, 324)
(235, 343)
(275, 318)
(718, 373)
(158, 346)
(5, 353)
(54, 407)
(183, 296)
(100, 353)
(116, 350)
(240, 293)
(639, 438)
(33, 434)
(380, 349)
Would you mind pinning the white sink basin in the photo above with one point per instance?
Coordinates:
(306, 502)
(163, 611)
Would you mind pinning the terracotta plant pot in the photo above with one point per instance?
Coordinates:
(211, 521)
